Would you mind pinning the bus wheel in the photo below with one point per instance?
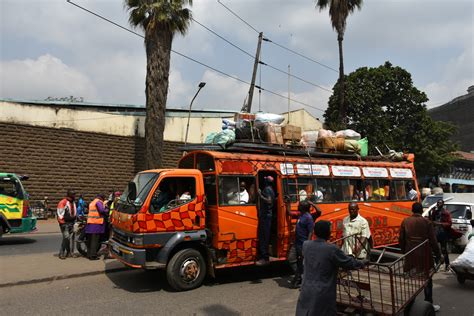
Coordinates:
(186, 270)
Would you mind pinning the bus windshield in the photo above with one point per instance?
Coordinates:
(144, 182)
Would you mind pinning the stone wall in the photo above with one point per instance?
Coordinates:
(57, 159)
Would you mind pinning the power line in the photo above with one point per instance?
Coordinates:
(261, 62)
(238, 17)
(279, 45)
(192, 59)
(299, 54)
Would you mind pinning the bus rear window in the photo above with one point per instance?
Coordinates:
(9, 187)
(205, 163)
(187, 162)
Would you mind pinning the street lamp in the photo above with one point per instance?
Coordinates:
(201, 85)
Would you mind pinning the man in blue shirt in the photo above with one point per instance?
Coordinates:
(304, 227)
(81, 206)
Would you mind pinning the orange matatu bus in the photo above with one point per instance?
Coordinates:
(191, 221)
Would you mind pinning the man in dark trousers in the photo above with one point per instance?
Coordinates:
(96, 224)
(413, 231)
(304, 227)
(265, 209)
(442, 226)
(66, 214)
(321, 263)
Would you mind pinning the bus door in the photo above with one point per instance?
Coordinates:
(276, 209)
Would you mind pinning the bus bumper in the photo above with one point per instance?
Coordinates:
(132, 257)
(28, 224)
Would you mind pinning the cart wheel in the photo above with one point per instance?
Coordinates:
(461, 279)
(421, 308)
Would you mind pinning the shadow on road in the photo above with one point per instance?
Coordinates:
(143, 281)
(254, 275)
(16, 241)
(218, 309)
(139, 281)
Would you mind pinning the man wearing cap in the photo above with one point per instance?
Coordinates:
(321, 263)
(95, 227)
(267, 200)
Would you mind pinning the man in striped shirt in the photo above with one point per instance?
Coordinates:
(66, 213)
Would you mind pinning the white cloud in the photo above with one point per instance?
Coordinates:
(43, 77)
(456, 77)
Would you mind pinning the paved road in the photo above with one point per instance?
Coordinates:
(249, 291)
(29, 244)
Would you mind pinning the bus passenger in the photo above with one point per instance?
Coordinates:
(267, 200)
(240, 197)
(357, 227)
(412, 194)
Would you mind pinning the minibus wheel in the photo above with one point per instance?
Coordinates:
(186, 270)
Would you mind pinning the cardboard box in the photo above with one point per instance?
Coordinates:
(291, 132)
(273, 134)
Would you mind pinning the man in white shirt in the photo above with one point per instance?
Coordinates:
(241, 197)
(354, 224)
(412, 194)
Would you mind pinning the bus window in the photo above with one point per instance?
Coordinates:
(187, 163)
(322, 190)
(290, 187)
(205, 162)
(173, 192)
(210, 189)
(399, 190)
(376, 189)
(237, 190)
(344, 189)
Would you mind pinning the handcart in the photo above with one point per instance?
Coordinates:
(388, 286)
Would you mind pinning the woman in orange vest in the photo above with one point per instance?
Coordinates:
(95, 227)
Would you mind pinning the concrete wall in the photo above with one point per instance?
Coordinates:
(118, 124)
(304, 119)
(57, 159)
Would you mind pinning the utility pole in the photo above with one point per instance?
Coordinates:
(248, 106)
(288, 94)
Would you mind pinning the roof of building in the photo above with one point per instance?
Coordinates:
(129, 109)
(465, 155)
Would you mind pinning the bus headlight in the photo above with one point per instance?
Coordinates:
(137, 241)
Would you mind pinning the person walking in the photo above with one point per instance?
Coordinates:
(95, 227)
(265, 209)
(413, 231)
(304, 227)
(66, 215)
(356, 233)
(322, 261)
(442, 222)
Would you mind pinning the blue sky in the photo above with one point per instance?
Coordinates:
(51, 48)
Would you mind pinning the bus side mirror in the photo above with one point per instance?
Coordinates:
(132, 192)
(469, 214)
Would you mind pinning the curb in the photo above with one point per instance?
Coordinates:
(63, 277)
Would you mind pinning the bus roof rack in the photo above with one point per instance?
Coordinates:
(259, 148)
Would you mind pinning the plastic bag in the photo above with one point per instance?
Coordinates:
(364, 147)
(225, 137)
(228, 124)
(324, 133)
(210, 138)
(352, 146)
(466, 259)
(348, 134)
(262, 118)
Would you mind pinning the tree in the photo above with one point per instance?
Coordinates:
(339, 10)
(161, 20)
(385, 107)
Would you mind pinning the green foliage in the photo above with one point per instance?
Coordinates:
(168, 15)
(384, 106)
(339, 10)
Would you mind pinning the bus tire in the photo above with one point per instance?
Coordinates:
(461, 279)
(186, 270)
(1, 229)
(421, 308)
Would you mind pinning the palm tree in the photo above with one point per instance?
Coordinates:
(339, 10)
(160, 20)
